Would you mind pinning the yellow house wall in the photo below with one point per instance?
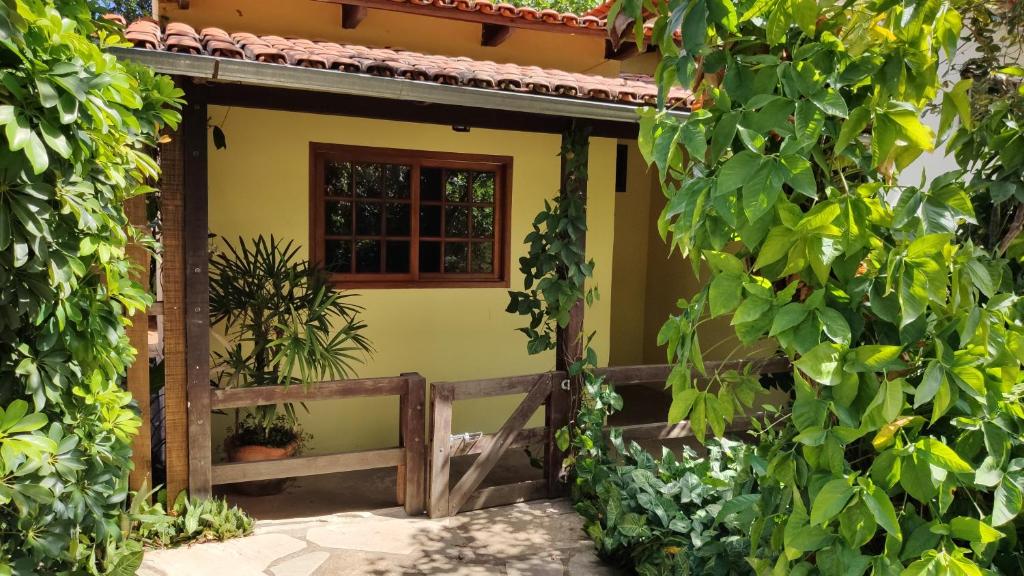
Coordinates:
(259, 184)
(629, 274)
(396, 30)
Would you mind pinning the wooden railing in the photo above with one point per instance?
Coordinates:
(447, 500)
(621, 376)
(408, 457)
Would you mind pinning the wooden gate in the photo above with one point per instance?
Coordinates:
(448, 501)
(409, 457)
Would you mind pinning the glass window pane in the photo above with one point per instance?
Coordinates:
(368, 219)
(338, 178)
(430, 221)
(430, 184)
(483, 222)
(483, 187)
(338, 258)
(398, 221)
(483, 257)
(338, 218)
(397, 259)
(396, 181)
(368, 180)
(456, 255)
(456, 221)
(430, 256)
(456, 188)
(368, 256)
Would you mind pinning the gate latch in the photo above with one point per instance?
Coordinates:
(465, 437)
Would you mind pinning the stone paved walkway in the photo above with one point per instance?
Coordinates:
(542, 538)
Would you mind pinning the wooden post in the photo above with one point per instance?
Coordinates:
(197, 291)
(413, 431)
(172, 270)
(440, 449)
(564, 403)
(138, 335)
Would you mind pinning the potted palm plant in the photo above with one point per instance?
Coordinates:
(283, 323)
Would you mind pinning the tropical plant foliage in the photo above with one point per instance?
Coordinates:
(556, 267)
(284, 322)
(77, 130)
(186, 522)
(903, 453)
(989, 142)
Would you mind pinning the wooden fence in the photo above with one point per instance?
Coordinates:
(446, 500)
(408, 457)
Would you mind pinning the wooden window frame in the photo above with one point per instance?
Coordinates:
(319, 153)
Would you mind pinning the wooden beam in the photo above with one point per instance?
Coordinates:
(494, 34)
(565, 395)
(495, 386)
(440, 450)
(526, 437)
(625, 51)
(138, 336)
(310, 102)
(502, 440)
(647, 374)
(413, 421)
(352, 15)
(431, 10)
(197, 291)
(306, 465)
(666, 431)
(172, 198)
(264, 395)
(506, 494)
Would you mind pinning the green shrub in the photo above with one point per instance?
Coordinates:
(77, 128)
(187, 522)
(904, 452)
(675, 514)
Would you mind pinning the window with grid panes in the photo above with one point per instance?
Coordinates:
(399, 217)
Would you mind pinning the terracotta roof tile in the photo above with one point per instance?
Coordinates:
(349, 58)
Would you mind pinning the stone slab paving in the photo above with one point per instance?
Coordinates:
(542, 538)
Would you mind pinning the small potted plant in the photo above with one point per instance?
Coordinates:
(283, 323)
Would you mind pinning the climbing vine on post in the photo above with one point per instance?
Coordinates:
(556, 268)
(556, 271)
(903, 452)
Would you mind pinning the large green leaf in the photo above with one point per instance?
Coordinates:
(881, 507)
(831, 500)
(822, 363)
(973, 530)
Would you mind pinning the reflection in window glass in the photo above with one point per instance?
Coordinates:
(368, 256)
(406, 218)
(457, 187)
(455, 257)
(483, 187)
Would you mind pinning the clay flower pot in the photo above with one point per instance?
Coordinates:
(257, 453)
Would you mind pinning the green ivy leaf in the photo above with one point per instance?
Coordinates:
(881, 507)
(973, 530)
(1007, 501)
(822, 363)
(873, 358)
(938, 454)
(830, 500)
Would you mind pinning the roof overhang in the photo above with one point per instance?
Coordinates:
(347, 83)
